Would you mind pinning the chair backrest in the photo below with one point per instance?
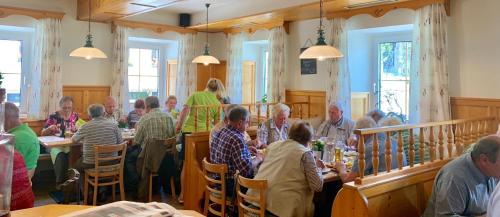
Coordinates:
(110, 153)
(245, 201)
(215, 176)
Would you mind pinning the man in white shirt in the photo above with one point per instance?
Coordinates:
(494, 203)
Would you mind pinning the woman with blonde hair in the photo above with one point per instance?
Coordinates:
(221, 90)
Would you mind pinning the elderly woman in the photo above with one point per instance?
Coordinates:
(135, 115)
(170, 105)
(376, 114)
(276, 128)
(57, 124)
(292, 174)
(362, 123)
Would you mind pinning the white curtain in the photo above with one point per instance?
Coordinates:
(339, 80)
(429, 99)
(45, 83)
(119, 68)
(186, 70)
(276, 65)
(235, 67)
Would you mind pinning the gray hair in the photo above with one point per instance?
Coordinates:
(95, 110)
(301, 131)
(389, 121)
(365, 122)
(489, 146)
(376, 114)
(336, 104)
(278, 108)
(237, 114)
(152, 102)
(11, 111)
(65, 99)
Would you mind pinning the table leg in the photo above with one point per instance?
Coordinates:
(74, 154)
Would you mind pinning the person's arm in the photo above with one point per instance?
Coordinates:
(313, 173)
(344, 175)
(119, 138)
(140, 133)
(451, 198)
(243, 160)
(78, 136)
(51, 127)
(262, 134)
(182, 118)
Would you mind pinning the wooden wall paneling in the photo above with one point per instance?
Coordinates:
(35, 125)
(467, 107)
(316, 100)
(360, 104)
(83, 96)
(204, 73)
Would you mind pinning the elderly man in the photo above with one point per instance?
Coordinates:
(463, 186)
(153, 128)
(111, 112)
(223, 123)
(276, 128)
(97, 131)
(338, 127)
(26, 141)
(228, 147)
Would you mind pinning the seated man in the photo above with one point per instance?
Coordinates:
(338, 127)
(98, 131)
(223, 123)
(228, 147)
(111, 113)
(26, 142)
(464, 186)
(362, 123)
(154, 127)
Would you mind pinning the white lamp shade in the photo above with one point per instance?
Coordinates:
(88, 53)
(206, 59)
(321, 52)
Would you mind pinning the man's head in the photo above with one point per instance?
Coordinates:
(280, 113)
(66, 104)
(301, 132)
(110, 104)
(139, 106)
(152, 102)
(239, 118)
(96, 110)
(363, 123)
(171, 102)
(376, 114)
(335, 111)
(486, 154)
(11, 116)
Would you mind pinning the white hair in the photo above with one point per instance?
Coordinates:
(336, 104)
(390, 121)
(365, 122)
(278, 108)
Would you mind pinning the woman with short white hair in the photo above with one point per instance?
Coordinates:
(276, 128)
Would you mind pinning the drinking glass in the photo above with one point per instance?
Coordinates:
(6, 164)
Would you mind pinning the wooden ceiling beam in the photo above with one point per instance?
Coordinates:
(381, 10)
(6, 11)
(251, 28)
(158, 28)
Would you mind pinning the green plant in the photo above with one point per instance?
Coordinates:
(318, 145)
(264, 98)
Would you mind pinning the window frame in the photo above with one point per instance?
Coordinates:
(26, 36)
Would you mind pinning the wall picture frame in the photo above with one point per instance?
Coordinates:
(307, 66)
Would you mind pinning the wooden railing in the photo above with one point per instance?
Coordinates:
(213, 113)
(445, 139)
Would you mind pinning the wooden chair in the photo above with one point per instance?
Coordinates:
(168, 142)
(248, 204)
(104, 173)
(215, 192)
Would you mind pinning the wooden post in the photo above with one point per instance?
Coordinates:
(267, 111)
(207, 117)
(361, 151)
(388, 156)
(432, 144)
(465, 135)
(459, 136)
(400, 150)
(258, 113)
(375, 155)
(412, 148)
(219, 109)
(300, 111)
(472, 133)
(441, 142)
(450, 142)
(486, 130)
(421, 149)
(195, 119)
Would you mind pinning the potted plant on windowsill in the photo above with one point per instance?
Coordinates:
(2, 90)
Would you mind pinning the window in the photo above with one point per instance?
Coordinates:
(15, 63)
(394, 60)
(143, 73)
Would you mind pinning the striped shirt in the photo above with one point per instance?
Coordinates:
(154, 125)
(98, 131)
(268, 132)
(313, 173)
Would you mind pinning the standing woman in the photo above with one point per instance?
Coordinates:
(57, 124)
(185, 122)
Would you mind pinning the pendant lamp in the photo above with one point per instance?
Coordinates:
(206, 58)
(88, 51)
(321, 50)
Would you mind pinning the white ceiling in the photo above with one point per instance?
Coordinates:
(195, 6)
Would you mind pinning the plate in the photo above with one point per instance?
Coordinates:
(326, 170)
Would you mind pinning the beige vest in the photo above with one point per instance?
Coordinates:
(288, 193)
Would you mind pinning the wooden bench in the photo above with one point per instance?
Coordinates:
(405, 191)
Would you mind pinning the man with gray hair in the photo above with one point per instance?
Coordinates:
(26, 142)
(111, 112)
(337, 126)
(97, 131)
(463, 186)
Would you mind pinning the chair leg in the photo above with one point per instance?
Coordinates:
(150, 187)
(122, 191)
(172, 188)
(205, 210)
(113, 192)
(96, 188)
(85, 189)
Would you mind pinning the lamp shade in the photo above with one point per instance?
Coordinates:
(321, 52)
(206, 59)
(88, 53)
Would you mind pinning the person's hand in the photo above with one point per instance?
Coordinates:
(352, 141)
(253, 150)
(340, 166)
(320, 164)
(259, 156)
(54, 129)
(178, 127)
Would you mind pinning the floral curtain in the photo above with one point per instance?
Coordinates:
(339, 80)
(186, 70)
(429, 99)
(119, 85)
(45, 83)
(276, 65)
(234, 67)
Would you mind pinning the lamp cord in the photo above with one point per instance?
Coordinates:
(206, 26)
(89, 15)
(320, 14)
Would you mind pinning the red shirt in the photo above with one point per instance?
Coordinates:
(22, 196)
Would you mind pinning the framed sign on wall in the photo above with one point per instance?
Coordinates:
(307, 66)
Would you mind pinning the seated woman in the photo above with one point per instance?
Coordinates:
(376, 114)
(170, 105)
(276, 128)
(292, 174)
(22, 196)
(135, 115)
(362, 123)
(57, 124)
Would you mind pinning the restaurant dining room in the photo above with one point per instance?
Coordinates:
(233, 108)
